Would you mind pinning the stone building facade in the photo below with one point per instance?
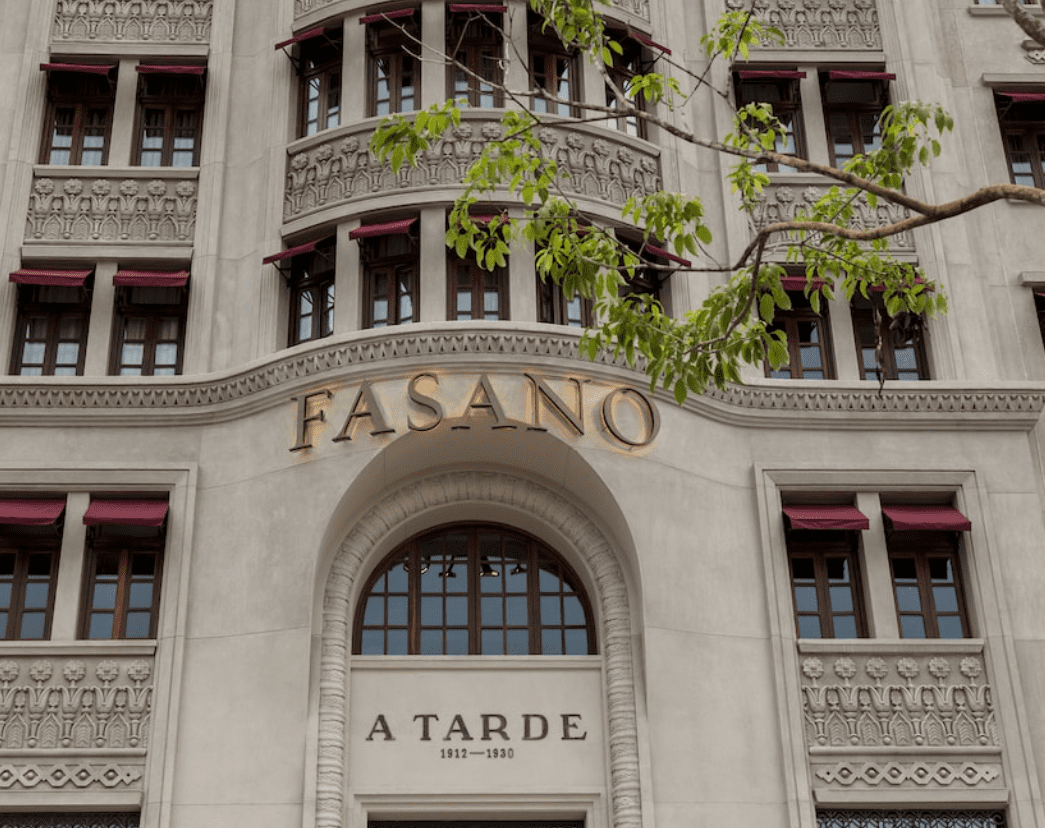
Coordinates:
(303, 523)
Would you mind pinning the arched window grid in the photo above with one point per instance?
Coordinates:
(474, 589)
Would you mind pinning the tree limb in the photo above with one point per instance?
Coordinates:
(1032, 26)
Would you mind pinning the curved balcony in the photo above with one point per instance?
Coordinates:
(820, 24)
(141, 21)
(332, 172)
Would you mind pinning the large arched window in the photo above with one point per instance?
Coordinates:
(479, 590)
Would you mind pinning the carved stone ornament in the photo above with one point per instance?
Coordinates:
(906, 774)
(784, 202)
(636, 7)
(69, 775)
(133, 21)
(79, 704)
(127, 819)
(341, 168)
(471, 487)
(109, 209)
(820, 24)
(926, 704)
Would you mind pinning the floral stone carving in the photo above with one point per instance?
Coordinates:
(133, 21)
(94, 702)
(342, 168)
(104, 209)
(820, 24)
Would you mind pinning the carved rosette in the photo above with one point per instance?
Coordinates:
(341, 169)
(133, 21)
(785, 202)
(112, 209)
(820, 24)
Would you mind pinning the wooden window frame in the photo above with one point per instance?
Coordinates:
(553, 309)
(410, 554)
(545, 50)
(328, 72)
(862, 312)
(852, 111)
(171, 102)
(99, 543)
(384, 40)
(30, 305)
(790, 104)
(314, 273)
(921, 546)
(376, 260)
(649, 276)
(23, 546)
(1025, 119)
(789, 320)
(81, 102)
(155, 315)
(468, 36)
(635, 60)
(478, 276)
(818, 546)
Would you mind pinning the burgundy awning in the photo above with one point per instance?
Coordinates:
(664, 254)
(799, 283)
(1039, 291)
(390, 15)
(477, 7)
(126, 512)
(880, 288)
(389, 228)
(290, 252)
(777, 74)
(646, 40)
(28, 512)
(944, 518)
(151, 278)
(311, 33)
(1023, 96)
(56, 278)
(826, 517)
(170, 69)
(88, 68)
(848, 74)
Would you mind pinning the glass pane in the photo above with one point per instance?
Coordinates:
(940, 570)
(908, 599)
(802, 569)
(845, 626)
(551, 642)
(36, 595)
(573, 610)
(375, 611)
(397, 642)
(838, 569)
(518, 642)
(805, 599)
(457, 642)
(809, 626)
(912, 626)
(143, 564)
(492, 610)
(576, 642)
(3, 624)
(841, 599)
(100, 626)
(104, 596)
(397, 610)
(373, 643)
(904, 569)
(431, 642)
(492, 642)
(517, 610)
(396, 579)
(5, 595)
(39, 564)
(132, 354)
(550, 613)
(950, 626)
(138, 624)
(945, 598)
(32, 625)
(432, 610)
(141, 596)
(457, 611)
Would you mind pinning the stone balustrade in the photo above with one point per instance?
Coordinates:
(95, 204)
(820, 24)
(593, 163)
(133, 21)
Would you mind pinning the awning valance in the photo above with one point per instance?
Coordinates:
(825, 517)
(493, 8)
(83, 68)
(54, 278)
(170, 69)
(665, 254)
(852, 74)
(389, 228)
(298, 38)
(772, 74)
(126, 512)
(646, 40)
(799, 283)
(389, 15)
(1021, 97)
(30, 512)
(940, 518)
(150, 278)
(290, 252)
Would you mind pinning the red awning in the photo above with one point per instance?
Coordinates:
(778, 74)
(799, 283)
(89, 68)
(56, 278)
(290, 252)
(646, 40)
(170, 69)
(1039, 291)
(846, 74)
(1023, 96)
(27, 512)
(389, 228)
(880, 288)
(390, 15)
(126, 512)
(943, 518)
(311, 33)
(825, 517)
(477, 7)
(150, 278)
(664, 254)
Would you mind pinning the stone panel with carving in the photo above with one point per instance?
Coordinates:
(784, 202)
(133, 21)
(820, 24)
(114, 208)
(341, 168)
(883, 775)
(76, 704)
(58, 775)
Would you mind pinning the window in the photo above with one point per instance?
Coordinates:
(125, 541)
(312, 293)
(553, 307)
(910, 819)
(475, 293)
(625, 66)
(649, 279)
(170, 112)
(390, 283)
(51, 331)
(553, 70)
(808, 340)
(474, 590)
(1039, 309)
(927, 584)
(320, 69)
(79, 118)
(888, 348)
(395, 74)
(1022, 118)
(28, 569)
(149, 331)
(825, 583)
(852, 104)
(475, 77)
(779, 89)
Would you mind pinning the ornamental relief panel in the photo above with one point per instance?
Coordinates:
(133, 21)
(872, 775)
(342, 168)
(97, 208)
(820, 24)
(80, 703)
(785, 202)
(17, 776)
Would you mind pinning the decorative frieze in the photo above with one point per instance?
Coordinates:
(15, 776)
(121, 207)
(76, 704)
(69, 819)
(597, 165)
(919, 774)
(785, 202)
(133, 21)
(820, 24)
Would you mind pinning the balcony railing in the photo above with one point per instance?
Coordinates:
(89, 204)
(820, 24)
(140, 21)
(593, 163)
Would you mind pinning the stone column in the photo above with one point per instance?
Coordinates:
(99, 331)
(433, 265)
(433, 69)
(348, 274)
(123, 139)
(878, 579)
(522, 279)
(353, 72)
(843, 339)
(65, 621)
(815, 130)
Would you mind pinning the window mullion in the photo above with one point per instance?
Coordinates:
(413, 603)
(533, 600)
(120, 612)
(932, 628)
(472, 551)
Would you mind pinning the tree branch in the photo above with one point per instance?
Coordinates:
(1032, 26)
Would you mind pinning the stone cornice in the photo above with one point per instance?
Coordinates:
(228, 395)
